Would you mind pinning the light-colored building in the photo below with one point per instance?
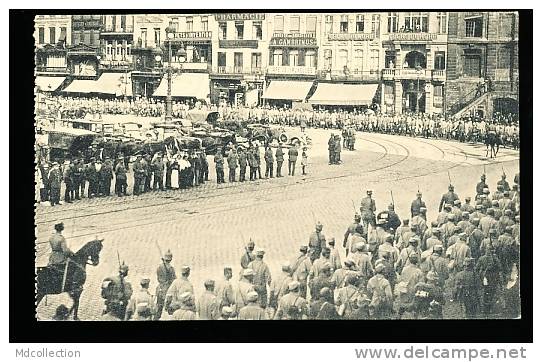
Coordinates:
(52, 35)
(351, 47)
(415, 51)
(116, 42)
(239, 54)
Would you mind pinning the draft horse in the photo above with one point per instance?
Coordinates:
(69, 277)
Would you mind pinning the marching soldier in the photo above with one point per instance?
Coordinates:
(186, 310)
(262, 277)
(467, 206)
(245, 286)
(224, 290)
(417, 204)
(317, 241)
(393, 219)
(448, 198)
(292, 305)
(165, 275)
(367, 211)
(488, 270)
(253, 310)
(117, 291)
(466, 289)
(141, 306)
(248, 256)
(334, 257)
(504, 183)
(379, 291)
(301, 267)
(207, 306)
(351, 230)
(279, 286)
(60, 251)
(481, 186)
(176, 289)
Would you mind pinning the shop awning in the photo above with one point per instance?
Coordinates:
(344, 94)
(115, 83)
(287, 90)
(193, 85)
(48, 84)
(81, 86)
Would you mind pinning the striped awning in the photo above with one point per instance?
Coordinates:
(48, 84)
(335, 94)
(192, 85)
(287, 90)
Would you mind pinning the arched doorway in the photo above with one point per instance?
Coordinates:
(505, 106)
(415, 59)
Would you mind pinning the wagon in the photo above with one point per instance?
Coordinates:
(68, 142)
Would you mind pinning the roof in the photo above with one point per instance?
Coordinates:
(344, 94)
(48, 84)
(286, 89)
(194, 85)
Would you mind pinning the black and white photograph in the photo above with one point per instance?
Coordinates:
(351, 165)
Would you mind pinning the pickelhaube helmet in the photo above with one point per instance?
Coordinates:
(168, 256)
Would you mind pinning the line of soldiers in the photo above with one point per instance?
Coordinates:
(241, 159)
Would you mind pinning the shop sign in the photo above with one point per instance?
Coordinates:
(293, 40)
(230, 44)
(240, 16)
(193, 35)
(413, 36)
(352, 36)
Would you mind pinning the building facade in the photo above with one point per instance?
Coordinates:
(351, 49)
(483, 73)
(116, 42)
(414, 62)
(52, 35)
(239, 54)
(83, 54)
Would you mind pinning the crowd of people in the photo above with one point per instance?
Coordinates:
(465, 129)
(394, 269)
(162, 170)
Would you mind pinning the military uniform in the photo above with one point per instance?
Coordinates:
(317, 241)
(60, 250)
(184, 313)
(242, 165)
(262, 278)
(278, 288)
(379, 291)
(241, 292)
(416, 206)
(466, 289)
(178, 287)
(55, 181)
(293, 303)
(121, 292)
(139, 177)
(141, 306)
(120, 181)
(268, 162)
(208, 306)
(165, 275)
(292, 159)
(279, 156)
(106, 175)
(225, 294)
(158, 174)
(232, 165)
(219, 166)
(448, 198)
(505, 185)
(347, 296)
(367, 211)
(252, 311)
(489, 272)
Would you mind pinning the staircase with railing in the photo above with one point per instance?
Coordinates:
(469, 101)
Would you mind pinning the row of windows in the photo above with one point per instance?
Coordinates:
(240, 30)
(52, 35)
(189, 23)
(255, 60)
(293, 57)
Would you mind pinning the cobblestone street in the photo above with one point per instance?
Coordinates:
(207, 227)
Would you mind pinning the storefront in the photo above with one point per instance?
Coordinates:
(293, 56)
(83, 61)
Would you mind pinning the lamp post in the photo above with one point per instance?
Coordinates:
(181, 55)
(418, 74)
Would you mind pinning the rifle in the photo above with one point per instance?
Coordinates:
(503, 173)
(392, 201)
(354, 206)
(121, 278)
(449, 178)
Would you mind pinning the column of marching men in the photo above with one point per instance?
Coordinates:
(163, 170)
(468, 255)
(467, 128)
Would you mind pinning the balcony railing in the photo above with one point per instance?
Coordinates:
(238, 70)
(415, 36)
(291, 70)
(411, 73)
(439, 74)
(43, 68)
(353, 75)
(198, 66)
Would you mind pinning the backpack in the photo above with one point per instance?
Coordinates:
(379, 297)
(348, 305)
(143, 308)
(108, 289)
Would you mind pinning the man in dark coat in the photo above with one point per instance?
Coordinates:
(331, 149)
(448, 198)
(292, 159)
(68, 180)
(232, 165)
(120, 178)
(279, 156)
(93, 177)
(417, 204)
(268, 162)
(219, 166)
(79, 178)
(106, 175)
(242, 164)
(466, 289)
(139, 175)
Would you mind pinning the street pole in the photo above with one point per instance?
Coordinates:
(418, 93)
(168, 117)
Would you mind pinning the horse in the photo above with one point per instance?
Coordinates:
(70, 277)
(492, 140)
